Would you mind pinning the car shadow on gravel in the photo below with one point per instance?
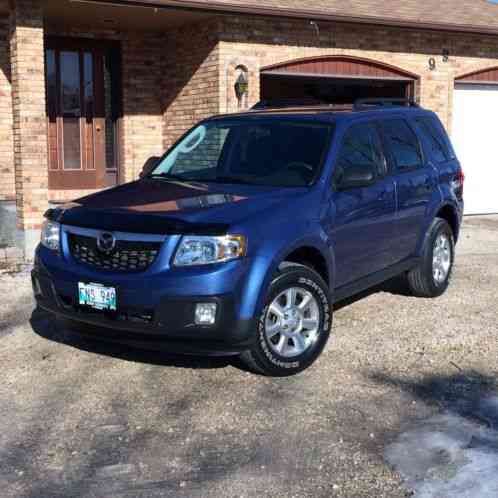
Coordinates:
(46, 326)
(455, 451)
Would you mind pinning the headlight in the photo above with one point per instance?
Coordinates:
(203, 250)
(50, 235)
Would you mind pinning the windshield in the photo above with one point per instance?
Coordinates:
(255, 152)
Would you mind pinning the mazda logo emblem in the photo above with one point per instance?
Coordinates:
(106, 242)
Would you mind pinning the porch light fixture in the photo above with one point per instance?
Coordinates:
(446, 55)
(241, 86)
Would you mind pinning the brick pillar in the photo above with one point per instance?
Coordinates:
(29, 118)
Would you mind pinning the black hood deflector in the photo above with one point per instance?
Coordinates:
(124, 221)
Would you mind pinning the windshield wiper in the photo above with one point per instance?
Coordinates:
(218, 179)
(231, 179)
(174, 178)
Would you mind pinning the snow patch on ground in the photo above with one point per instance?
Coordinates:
(451, 455)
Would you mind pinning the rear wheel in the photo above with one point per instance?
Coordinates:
(432, 276)
(294, 325)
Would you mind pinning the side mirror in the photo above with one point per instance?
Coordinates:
(149, 166)
(356, 177)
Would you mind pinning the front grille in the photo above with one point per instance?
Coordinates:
(127, 256)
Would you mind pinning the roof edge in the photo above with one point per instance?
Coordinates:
(310, 14)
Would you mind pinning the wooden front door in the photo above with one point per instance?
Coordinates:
(83, 111)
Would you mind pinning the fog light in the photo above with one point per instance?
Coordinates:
(205, 313)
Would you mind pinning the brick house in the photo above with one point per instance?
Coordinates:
(90, 89)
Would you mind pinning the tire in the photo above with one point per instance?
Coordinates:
(306, 324)
(423, 280)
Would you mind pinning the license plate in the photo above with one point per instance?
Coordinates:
(97, 296)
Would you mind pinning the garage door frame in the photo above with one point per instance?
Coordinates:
(343, 67)
(485, 80)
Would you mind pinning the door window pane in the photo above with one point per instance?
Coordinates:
(70, 83)
(88, 84)
(72, 140)
(361, 147)
(434, 139)
(71, 108)
(403, 144)
(110, 123)
(51, 82)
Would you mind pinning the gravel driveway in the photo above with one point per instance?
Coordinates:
(83, 419)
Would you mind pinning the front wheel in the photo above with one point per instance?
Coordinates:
(432, 276)
(294, 325)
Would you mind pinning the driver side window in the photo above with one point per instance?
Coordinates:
(361, 150)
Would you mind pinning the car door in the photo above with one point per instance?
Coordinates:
(362, 224)
(415, 180)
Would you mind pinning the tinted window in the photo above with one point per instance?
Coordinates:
(403, 144)
(361, 146)
(256, 152)
(446, 140)
(434, 138)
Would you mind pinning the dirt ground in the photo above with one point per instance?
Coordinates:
(79, 418)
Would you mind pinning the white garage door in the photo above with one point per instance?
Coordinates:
(475, 137)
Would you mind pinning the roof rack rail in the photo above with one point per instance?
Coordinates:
(283, 103)
(364, 104)
(295, 103)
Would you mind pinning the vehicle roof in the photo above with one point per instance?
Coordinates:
(325, 113)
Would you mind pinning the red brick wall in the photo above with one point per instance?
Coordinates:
(142, 127)
(190, 85)
(29, 112)
(7, 185)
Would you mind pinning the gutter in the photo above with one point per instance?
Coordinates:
(308, 14)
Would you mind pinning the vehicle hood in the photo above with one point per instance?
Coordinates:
(159, 206)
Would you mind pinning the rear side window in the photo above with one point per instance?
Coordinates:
(433, 134)
(403, 143)
(450, 152)
(361, 146)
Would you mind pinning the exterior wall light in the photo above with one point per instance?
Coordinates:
(241, 86)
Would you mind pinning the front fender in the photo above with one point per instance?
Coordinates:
(265, 265)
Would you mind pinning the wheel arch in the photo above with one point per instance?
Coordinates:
(264, 270)
(449, 213)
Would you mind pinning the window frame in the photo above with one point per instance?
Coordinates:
(394, 167)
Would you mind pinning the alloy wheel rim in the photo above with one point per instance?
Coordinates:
(441, 258)
(292, 322)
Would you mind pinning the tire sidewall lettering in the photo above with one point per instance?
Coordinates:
(325, 317)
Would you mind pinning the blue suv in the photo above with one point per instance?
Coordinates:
(241, 238)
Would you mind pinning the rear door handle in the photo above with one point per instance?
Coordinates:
(382, 195)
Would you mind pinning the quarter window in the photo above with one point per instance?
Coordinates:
(450, 153)
(434, 138)
(403, 143)
(361, 147)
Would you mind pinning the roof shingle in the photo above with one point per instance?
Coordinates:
(460, 15)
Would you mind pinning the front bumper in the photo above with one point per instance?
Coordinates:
(148, 316)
